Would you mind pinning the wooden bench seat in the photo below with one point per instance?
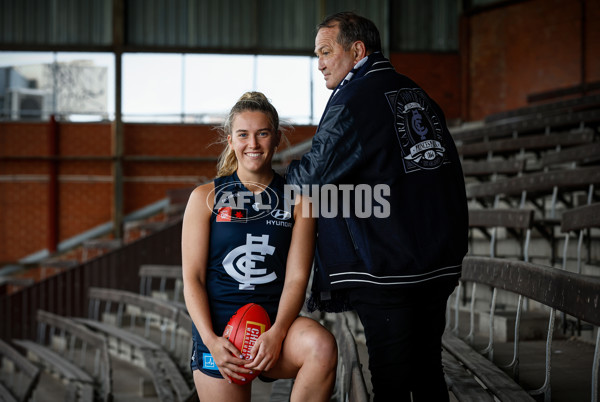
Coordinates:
(495, 380)
(517, 222)
(22, 375)
(579, 155)
(555, 107)
(530, 124)
(154, 312)
(169, 383)
(558, 186)
(165, 274)
(573, 294)
(119, 333)
(461, 383)
(541, 182)
(508, 218)
(80, 384)
(160, 357)
(579, 221)
(584, 217)
(122, 298)
(57, 363)
(6, 395)
(508, 167)
(531, 143)
(74, 353)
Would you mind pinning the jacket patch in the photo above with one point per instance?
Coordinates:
(419, 130)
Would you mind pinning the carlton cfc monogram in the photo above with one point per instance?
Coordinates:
(418, 129)
(240, 263)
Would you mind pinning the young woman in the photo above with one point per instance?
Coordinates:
(244, 242)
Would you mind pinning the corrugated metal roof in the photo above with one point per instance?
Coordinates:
(228, 26)
(53, 22)
(238, 25)
(425, 25)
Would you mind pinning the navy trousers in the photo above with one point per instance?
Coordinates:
(403, 329)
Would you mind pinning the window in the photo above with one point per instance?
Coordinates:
(189, 88)
(77, 86)
(213, 83)
(152, 87)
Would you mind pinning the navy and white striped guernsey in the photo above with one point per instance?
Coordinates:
(249, 241)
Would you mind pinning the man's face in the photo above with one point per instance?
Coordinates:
(334, 62)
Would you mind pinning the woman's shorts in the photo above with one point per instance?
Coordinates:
(207, 364)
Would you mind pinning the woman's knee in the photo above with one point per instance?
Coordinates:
(320, 346)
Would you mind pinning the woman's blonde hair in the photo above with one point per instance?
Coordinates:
(250, 101)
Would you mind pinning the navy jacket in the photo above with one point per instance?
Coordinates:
(380, 128)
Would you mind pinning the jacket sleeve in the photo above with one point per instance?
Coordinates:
(335, 151)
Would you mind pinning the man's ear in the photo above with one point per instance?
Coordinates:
(359, 51)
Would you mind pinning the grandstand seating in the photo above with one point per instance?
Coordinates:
(557, 183)
(526, 125)
(19, 376)
(491, 169)
(524, 170)
(557, 108)
(558, 289)
(73, 353)
(165, 356)
(531, 143)
(165, 274)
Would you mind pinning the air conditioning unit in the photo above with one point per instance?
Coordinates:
(28, 104)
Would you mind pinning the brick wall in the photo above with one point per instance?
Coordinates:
(506, 54)
(437, 73)
(526, 48)
(23, 190)
(592, 40)
(85, 183)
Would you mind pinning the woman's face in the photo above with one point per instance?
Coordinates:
(254, 141)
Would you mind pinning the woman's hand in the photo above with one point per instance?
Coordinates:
(228, 359)
(266, 350)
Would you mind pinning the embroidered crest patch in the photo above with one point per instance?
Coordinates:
(419, 130)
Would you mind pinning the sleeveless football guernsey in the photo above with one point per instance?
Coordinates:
(250, 237)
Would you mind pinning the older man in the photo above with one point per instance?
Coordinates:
(393, 251)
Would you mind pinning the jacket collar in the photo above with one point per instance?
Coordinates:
(373, 62)
(367, 65)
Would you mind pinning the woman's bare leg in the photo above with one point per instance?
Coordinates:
(309, 354)
(212, 389)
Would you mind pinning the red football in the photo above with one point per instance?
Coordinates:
(243, 329)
